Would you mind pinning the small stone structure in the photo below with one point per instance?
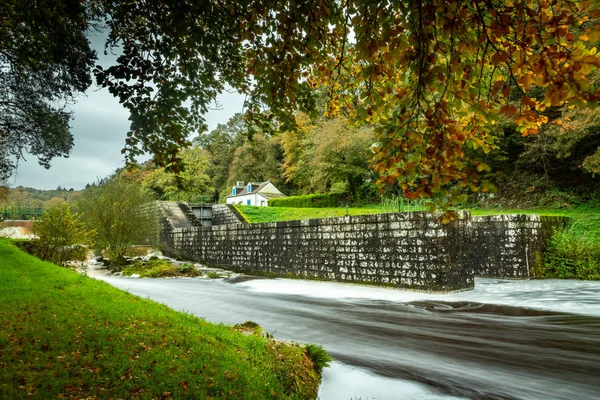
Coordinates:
(172, 212)
(508, 246)
(225, 214)
(409, 250)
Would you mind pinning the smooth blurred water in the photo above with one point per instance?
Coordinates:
(503, 340)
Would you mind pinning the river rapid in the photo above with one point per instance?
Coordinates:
(503, 340)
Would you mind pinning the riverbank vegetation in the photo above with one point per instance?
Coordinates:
(161, 269)
(60, 236)
(574, 251)
(64, 335)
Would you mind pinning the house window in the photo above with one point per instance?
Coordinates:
(233, 191)
(249, 188)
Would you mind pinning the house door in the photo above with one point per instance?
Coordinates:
(248, 202)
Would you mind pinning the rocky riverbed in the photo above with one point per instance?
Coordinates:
(95, 267)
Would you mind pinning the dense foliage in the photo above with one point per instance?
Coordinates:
(23, 197)
(574, 252)
(45, 62)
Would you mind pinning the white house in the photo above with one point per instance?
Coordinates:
(253, 194)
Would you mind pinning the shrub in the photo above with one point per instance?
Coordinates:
(574, 252)
(60, 235)
(161, 269)
(401, 204)
(309, 201)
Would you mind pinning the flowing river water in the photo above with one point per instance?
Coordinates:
(503, 340)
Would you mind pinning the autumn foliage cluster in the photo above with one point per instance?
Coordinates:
(437, 76)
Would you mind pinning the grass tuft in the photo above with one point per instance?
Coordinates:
(318, 355)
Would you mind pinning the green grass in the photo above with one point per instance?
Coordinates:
(66, 335)
(574, 213)
(255, 214)
(273, 214)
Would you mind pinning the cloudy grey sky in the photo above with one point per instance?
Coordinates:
(99, 129)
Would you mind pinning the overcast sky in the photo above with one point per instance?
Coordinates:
(99, 129)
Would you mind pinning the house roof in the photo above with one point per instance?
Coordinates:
(272, 195)
(244, 190)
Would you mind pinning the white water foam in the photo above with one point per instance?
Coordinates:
(343, 382)
(570, 296)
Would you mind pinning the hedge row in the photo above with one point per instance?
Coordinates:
(309, 201)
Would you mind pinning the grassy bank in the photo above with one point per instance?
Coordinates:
(63, 335)
(274, 214)
(255, 214)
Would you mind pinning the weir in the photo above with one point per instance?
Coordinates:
(405, 250)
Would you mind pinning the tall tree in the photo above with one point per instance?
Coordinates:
(222, 143)
(436, 76)
(45, 62)
(193, 181)
(325, 152)
(121, 213)
(257, 160)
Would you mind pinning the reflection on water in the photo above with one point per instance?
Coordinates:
(504, 340)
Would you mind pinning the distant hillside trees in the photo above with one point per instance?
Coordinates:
(192, 182)
(22, 197)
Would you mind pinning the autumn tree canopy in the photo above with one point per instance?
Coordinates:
(436, 76)
(432, 76)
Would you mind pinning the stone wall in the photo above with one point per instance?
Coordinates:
(410, 250)
(225, 214)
